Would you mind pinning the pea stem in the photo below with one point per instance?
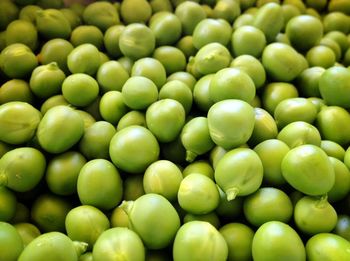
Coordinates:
(127, 205)
(322, 202)
(80, 247)
(190, 156)
(231, 193)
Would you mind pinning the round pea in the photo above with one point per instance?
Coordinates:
(8, 204)
(16, 90)
(51, 23)
(341, 185)
(83, 34)
(111, 40)
(190, 14)
(27, 231)
(150, 68)
(135, 11)
(133, 117)
(84, 58)
(11, 242)
(21, 31)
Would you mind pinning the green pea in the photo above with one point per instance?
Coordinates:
(50, 4)
(174, 151)
(199, 240)
(111, 40)
(185, 44)
(8, 204)
(342, 227)
(85, 224)
(166, 27)
(229, 209)
(333, 45)
(62, 172)
(73, 18)
(133, 149)
(21, 31)
(101, 14)
(133, 187)
(161, 5)
(165, 119)
(55, 245)
(27, 161)
(239, 238)
(119, 218)
(230, 169)
(51, 23)
(28, 12)
(227, 10)
(340, 38)
(118, 242)
(52, 102)
(271, 152)
(231, 123)
(9, 12)
(184, 77)
(84, 58)
(150, 68)
(322, 56)
(22, 214)
(88, 119)
(172, 58)
(211, 218)
(162, 177)
(190, 14)
(46, 80)
(333, 149)
(111, 76)
(11, 242)
(341, 185)
(16, 90)
(83, 34)
(243, 20)
(308, 80)
(195, 137)
(137, 41)
(285, 244)
(17, 61)
(94, 175)
(149, 211)
(132, 118)
(27, 231)
(60, 128)
(201, 93)
(112, 106)
(199, 166)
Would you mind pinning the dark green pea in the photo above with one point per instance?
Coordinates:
(51, 23)
(87, 34)
(174, 151)
(22, 214)
(185, 44)
(341, 185)
(211, 218)
(9, 12)
(11, 244)
(229, 209)
(72, 17)
(21, 31)
(8, 204)
(62, 172)
(28, 13)
(16, 90)
(27, 231)
(133, 187)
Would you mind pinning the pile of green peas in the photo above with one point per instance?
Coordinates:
(175, 130)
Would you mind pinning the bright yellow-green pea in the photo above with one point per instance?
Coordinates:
(172, 58)
(133, 187)
(111, 40)
(190, 14)
(333, 149)
(333, 45)
(27, 231)
(185, 77)
(8, 204)
(242, 20)
(111, 76)
(227, 10)
(341, 185)
(199, 166)
(185, 44)
(112, 106)
(322, 56)
(336, 21)
(16, 90)
(119, 218)
(11, 242)
(132, 117)
(135, 11)
(340, 38)
(53, 101)
(87, 34)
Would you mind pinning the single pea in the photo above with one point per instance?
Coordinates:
(84, 58)
(56, 50)
(135, 11)
(11, 242)
(243, 20)
(52, 102)
(150, 68)
(199, 166)
(333, 149)
(211, 218)
(62, 172)
(162, 177)
(299, 133)
(165, 119)
(133, 187)
(276, 240)
(201, 93)
(27, 161)
(308, 81)
(9, 12)
(126, 62)
(184, 77)
(172, 58)
(16, 90)
(8, 204)
(133, 149)
(229, 170)
(60, 128)
(341, 185)
(137, 41)
(199, 240)
(51, 23)
(166, 27)
(248, 40)
(95, 174)
(83, 34)
(149, 211)
(17, 61)
(227, 10)
(132, 117)
(22, 214)
(239, 238)
(139, 92)
(73, 18)
(112, 106)
(54, 244)
(85, 224)
(161, 5)
(111, 40)
(28, 12)
(101, 14)
(333, 45)
(119, 218)
(340, 38)
(195, 137)
(336, 21)
(321, 55)
(49, 212)
(21, 31)
(185, 44)
(46, 80)
(88, 119)
(118, 242)
(27, 231)
(190, 14)
(231, 123)
(179, 91)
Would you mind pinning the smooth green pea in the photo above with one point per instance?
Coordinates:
(172, 58)
(336, 21)
(8, 204)
(276, 240)
(133, 187)
(118, 242)
(184, 77)
(231, 123)
(229, 170)
(322, 56)
(185, 44)
(27, 161)
(46, 80)
(73, 18)
(342, 227)
(84, 58)
(198, 194)
(133, 149)
(16, 90)
(51, 23)
(111, 40)
(150, 211)
(308, 81)
(88, 119)
(341, 185)
(52, 102)
(85, 224)
(101, 14)
(165, 119)
(111, 76)
(201, 93)
(243, 20)
(11, 242)
(19, 120)
(195, 137)
(132, 118)
(340, 38)
(49, 212)
(333, 149)
(135, 11)
(55, 245)
(95, 174)
(333, 45)
(62, 172)
(28, 13)
(83, 34)
(112, 106)
(308, 169)
(199, 240)
(239, 238)
(190, 14)
(27, 231)
(119, 218)
(60, 128)
(162, 177)
(199, 166)
(21, 31)
(299, 133)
